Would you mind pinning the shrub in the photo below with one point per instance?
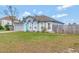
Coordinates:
(7, 27)
(1, 27)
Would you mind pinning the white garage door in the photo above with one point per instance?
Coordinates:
(18, 27)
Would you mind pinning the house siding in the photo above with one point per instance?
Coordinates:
(35, 26)
(4, 22)
(47, 28)
(41, 24)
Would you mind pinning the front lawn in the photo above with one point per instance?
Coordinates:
(38, 42)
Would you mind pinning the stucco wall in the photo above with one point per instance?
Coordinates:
(4, 22)
(35, 26)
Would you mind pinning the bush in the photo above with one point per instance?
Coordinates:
(1, 27)
(7, 27)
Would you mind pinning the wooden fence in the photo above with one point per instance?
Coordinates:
(67, 29)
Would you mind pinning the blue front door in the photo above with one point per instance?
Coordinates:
(25, 27)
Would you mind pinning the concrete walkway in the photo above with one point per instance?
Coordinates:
(6, 31)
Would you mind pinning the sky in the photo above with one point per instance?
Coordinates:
(64, 13)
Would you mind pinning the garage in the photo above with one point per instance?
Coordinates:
(18, 27)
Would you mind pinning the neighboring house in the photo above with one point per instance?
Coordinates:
(37, 23)
(7, 21)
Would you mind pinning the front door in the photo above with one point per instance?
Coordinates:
(26, 27)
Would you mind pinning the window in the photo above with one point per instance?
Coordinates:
(41, 27)
(49, 26)
(35, 27)
(8, 23)
(29, 20)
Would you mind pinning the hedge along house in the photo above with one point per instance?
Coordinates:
(37, 23)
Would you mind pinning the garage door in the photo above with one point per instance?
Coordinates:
(18, 27)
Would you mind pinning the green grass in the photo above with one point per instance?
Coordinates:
(37, 42)
(27, 36)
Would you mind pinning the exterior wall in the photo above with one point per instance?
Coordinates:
(31, 25)
(44, 25)
(49, 30)
(35, 26)
(4, 22)
(40, 25)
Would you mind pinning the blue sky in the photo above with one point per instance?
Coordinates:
(63, 13)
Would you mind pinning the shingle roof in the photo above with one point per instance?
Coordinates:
(43, 18)
(7, 18)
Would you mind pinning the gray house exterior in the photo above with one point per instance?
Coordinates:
(37, 23)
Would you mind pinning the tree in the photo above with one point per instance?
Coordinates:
(1, 27)
(11, 12)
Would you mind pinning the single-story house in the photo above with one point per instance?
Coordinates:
(37, 23)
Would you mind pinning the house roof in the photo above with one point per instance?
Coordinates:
(8, 18)
(43, 18)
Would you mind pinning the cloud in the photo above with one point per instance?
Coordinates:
(64, 7)
(34, 12)
(37, 12)
(60, 15)
(53, 16)
(40, 13)
(26, 13)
